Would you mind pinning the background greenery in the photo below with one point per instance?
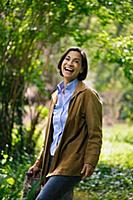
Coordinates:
(33, 36)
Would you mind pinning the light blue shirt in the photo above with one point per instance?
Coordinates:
(60, 112)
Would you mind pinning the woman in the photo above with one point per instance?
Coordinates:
(74, 130)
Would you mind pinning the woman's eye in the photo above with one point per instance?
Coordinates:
(67, 58)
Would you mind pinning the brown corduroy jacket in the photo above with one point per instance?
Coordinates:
(82, 137)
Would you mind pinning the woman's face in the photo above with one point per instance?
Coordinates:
(71, 66)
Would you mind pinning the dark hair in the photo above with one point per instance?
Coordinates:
(84, 66)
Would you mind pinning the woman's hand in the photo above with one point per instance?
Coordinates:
(32, 170)
(87, 170)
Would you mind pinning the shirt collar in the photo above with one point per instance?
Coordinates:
(70, 86)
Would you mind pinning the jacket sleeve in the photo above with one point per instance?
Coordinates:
(93, 112)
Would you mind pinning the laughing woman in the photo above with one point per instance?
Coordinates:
(74, 130)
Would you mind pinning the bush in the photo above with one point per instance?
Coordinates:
(12, 176)
(109, 182)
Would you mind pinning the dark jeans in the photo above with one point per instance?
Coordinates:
(58, 188)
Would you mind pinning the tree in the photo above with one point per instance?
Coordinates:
(32, 31)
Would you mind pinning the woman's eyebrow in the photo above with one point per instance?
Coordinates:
(74, 58)
(77, 58)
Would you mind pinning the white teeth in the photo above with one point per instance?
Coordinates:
(69, 69)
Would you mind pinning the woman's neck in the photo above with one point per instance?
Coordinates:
(65, 84)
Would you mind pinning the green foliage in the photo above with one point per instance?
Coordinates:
(127, 108)
(109, 182)
(12, 176)
(113, 177)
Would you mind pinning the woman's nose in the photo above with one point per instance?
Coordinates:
(70, 62)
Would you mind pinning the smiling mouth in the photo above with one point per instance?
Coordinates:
(69, 69)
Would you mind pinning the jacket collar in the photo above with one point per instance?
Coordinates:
(54, 97)
(80, 87)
